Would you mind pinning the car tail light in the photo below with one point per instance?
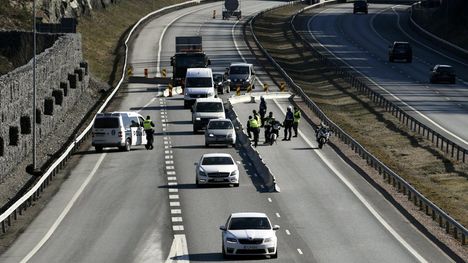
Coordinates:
(120, 134)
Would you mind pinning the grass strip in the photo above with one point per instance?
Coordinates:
(442, 180)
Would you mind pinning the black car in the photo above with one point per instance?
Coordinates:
(400, 51)
(220, 83)
(360, 7)
(442, 73)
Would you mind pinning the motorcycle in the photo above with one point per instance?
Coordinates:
(274, 132)
(323, 136)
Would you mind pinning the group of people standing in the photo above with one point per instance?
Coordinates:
(260, 120)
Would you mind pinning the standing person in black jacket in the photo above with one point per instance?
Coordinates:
(262, 110)
(288, 124)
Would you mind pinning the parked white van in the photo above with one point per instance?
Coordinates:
(198, 84)
(118, 129)
(206, 109)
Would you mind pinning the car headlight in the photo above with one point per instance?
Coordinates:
(247, 80)
(201, 173)
(229, 135)
(186, 93)
(231, 240)
(197, 118)
(268, 240)
(211, 135)
(234, 173)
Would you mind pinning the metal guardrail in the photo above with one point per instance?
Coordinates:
(451, 226)
(34, 193)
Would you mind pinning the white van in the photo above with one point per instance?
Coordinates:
(198, 84)
(206, 109)
(118, 129)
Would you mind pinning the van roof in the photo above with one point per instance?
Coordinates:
(199, 72)
(208, 100)
(240, 64)
(117, 113)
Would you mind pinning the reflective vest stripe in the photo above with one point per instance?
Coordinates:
(297, 116)
(253, 123)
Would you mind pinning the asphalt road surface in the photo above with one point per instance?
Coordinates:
(362, 41)
(131, 206)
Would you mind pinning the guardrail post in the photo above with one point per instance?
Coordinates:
(3, 227)
(440, 221)
(447, 227)
(409, 195)
(15, 216)
(463, 237)
(455, 232)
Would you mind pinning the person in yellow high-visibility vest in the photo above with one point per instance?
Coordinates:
(254, 125)
(148, 126)
(297, 117)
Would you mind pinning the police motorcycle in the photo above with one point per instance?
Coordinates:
(323, 136)
(274, 132)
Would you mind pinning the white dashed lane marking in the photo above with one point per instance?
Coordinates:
(172, 183)
(287, 232)
(171, 178)
(173, 190)
(169, 162)
(278, 215)
(269, 199)
(174, 203)
(168, 157)
(178, 228)
(300, 251)
(173, 197)
(171, 173)
(176, 211)
(176, 219)
(170, 167)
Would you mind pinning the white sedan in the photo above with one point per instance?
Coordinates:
(249, 234)
(217, 168)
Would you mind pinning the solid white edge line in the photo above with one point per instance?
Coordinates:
(382, 88)
(360, 197)
(64, 211)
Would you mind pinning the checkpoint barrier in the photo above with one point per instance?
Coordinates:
(237, 90)
(265, 87)
(451, 226)
(146, 72)
(163, 72)
(130, 71)
(249, 89)
(169, 87)
(214, 14)
(282, 86)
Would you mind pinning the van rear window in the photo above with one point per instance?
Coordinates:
(209, 107)
(199, 82)
(106, 123)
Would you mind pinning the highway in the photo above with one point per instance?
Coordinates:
(129, 206)
(362, 42)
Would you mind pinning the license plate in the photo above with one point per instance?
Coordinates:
(218, 179)
(250, 247)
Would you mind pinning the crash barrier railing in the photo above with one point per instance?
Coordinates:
(364, 85)
(446, 44)
(451, 226)
(34, 193)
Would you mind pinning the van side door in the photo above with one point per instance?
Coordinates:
(135, 127)
(141, 133)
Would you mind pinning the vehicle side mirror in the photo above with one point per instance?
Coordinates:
(172, 61)
(191, 109)
(209, 62)
(276, 227)
(253, 73)
(223, 228)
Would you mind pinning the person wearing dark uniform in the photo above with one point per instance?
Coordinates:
(262, 110)
(288, 123)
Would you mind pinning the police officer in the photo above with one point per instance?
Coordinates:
(148, 126)
(297, 117)
(267, 122)
(288, 123)
(262, 110)
(256, 116)
(254, 125)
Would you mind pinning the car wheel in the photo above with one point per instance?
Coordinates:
(195, 130)
(127, 147)
(226, 256)
(236, 185)
(196, 182)
(98, 149)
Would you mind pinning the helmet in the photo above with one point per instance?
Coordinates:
(262, 98)
(289, 107)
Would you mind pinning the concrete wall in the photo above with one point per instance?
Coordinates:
(57, 74)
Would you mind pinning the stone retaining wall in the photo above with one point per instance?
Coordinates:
(61, 77)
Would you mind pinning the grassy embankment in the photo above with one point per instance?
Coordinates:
(439, 178)
(104, 32)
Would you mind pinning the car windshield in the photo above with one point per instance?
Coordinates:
(218, 77)
(445, 70)
(249, 223)
(402, 46)
(239, 70)
(219, 125)
(217, 160)
(106, 123)
(198, 82)
(209, 107)
(360, 3)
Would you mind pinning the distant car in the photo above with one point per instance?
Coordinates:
(442, 73)
(220, 83)
(217, 168)
(220, 131)
(241, 75)
(249, 234)
(206, 109)
(360, 7)
(400, 51)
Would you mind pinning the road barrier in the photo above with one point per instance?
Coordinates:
(15, 210)
(451, 226)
